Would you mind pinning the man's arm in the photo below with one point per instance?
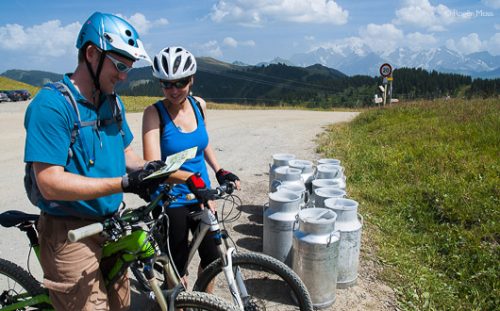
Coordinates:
(56, 184)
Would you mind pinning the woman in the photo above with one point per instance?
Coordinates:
(174, 124)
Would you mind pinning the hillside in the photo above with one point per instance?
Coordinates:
(9, 84)
(315, 86)
(427, 177)
(32, 77)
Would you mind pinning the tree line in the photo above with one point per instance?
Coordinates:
(320, 87)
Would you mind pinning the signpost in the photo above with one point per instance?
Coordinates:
(386, 72)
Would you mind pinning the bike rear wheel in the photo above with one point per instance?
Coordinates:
(17, 285)
(271, 284)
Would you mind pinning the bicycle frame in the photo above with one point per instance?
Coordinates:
(127, 248)
(208, 224)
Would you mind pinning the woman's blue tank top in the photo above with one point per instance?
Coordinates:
(173, 140)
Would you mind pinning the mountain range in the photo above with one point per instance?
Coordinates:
(360, 60)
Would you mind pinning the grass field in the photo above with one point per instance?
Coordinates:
(427, 176)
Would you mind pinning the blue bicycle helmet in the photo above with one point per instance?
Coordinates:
(112, 33)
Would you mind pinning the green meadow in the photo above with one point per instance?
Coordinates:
(427, 177)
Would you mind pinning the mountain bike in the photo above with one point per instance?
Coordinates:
(253, 281)
(129, 240)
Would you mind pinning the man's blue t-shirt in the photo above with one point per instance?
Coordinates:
(49, 121)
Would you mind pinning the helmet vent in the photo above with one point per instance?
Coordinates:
(131, 42)
(155, 64)
(177, 63)
(128, 33)
(107, 37)
(188, 63)
(164, 63)
(178, 50)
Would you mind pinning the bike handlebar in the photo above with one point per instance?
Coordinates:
(86, 231)
(95, 228)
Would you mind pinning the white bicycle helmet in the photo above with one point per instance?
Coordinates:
(174, 63)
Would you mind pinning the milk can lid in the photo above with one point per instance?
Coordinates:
(317, 215)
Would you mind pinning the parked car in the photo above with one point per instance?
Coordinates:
(4, 97)
(25, 94)
(13, 95)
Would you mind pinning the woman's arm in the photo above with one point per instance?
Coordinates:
(151, 134)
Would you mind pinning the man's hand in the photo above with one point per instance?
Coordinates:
(154, 165)
(134, 182)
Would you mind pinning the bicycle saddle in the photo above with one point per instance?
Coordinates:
(14, 218)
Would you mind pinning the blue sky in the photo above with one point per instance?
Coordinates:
(40, 35)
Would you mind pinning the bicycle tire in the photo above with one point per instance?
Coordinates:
(16, 280)
(261, 288)
(199, 301)
(203, 301)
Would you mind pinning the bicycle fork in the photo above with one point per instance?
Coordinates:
(234, 279)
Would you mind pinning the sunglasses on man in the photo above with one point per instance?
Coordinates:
(120, 66)
(179, 84)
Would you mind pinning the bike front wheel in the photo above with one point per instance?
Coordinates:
(17, 286)
(199, 301)
(270, 284)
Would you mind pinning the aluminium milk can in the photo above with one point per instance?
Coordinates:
(279, 217)
(324, 183)
(285, 175)
(321, 194)
(307, 168)
(349, 223)
(328, 161)
(298, 189)
(315, 254)
(279, 159)
(329, 171)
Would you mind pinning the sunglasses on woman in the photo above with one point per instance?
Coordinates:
(179, 84)
(121, 67)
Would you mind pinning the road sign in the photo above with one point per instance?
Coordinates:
(385, 70)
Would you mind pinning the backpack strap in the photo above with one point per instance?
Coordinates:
(160, 115)
(193, 99)
(78, 124)
(159, 108)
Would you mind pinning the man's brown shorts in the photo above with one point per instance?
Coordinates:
(71, 270)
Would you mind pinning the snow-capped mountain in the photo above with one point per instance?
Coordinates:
(362, 61)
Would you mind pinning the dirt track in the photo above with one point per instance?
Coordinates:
(244, 142)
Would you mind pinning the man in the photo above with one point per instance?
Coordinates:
(80, 156)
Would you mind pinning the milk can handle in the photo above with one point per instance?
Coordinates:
(275, 184)
(266, 206)
(330, 238)
(295, 222)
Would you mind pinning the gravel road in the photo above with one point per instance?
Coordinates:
(244, 141)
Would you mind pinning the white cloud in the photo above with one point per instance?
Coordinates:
(422, 14)
(418, 41)
(309, 38)
(494, 44)
(495, 4)
(50, 39)
(233, 43)
(210, 48)
(257, 12)
(142, 24)
(468, 44)
(381, 38)
(497, 26)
